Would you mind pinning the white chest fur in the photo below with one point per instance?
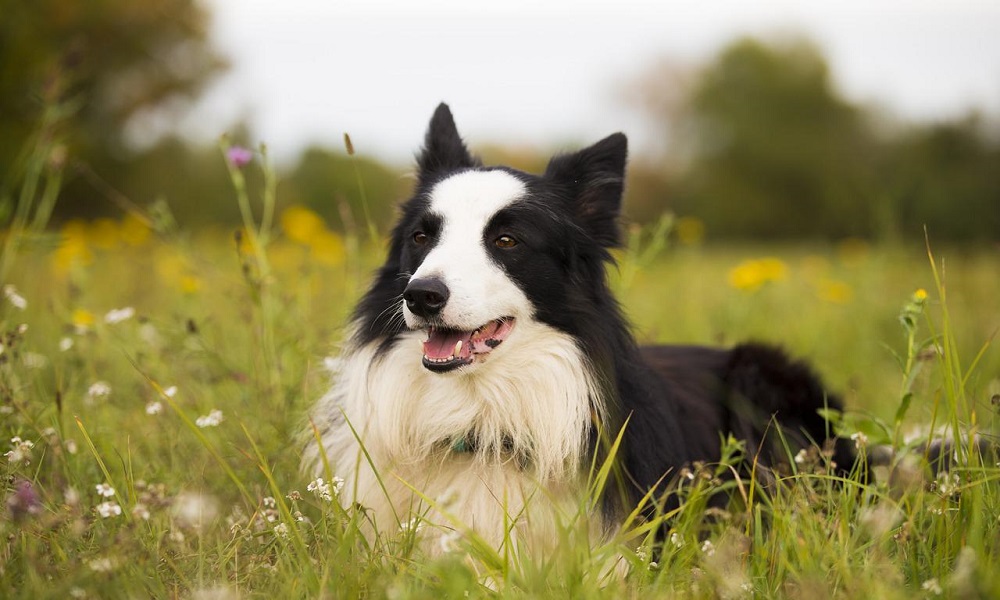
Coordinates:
(528, 407)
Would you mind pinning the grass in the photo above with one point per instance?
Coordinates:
(214, 505)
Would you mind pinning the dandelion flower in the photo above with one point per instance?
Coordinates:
(212, 419)
(117, 315)
(16, 300)
(195, 509)
(82, 320)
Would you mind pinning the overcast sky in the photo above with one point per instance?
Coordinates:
(552, 73)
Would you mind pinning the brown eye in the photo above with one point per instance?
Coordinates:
(420, 238)
(505, 241)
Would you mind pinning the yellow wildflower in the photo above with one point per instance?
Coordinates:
(301, 224)
(328, 248)
(82, 319)
(103, 233)
(73, 250)
(832, 290)
(134, 231)
(750, 275)
(690, 230)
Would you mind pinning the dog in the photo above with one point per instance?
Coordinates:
(489, 369)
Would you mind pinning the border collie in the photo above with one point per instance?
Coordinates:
(489, 366)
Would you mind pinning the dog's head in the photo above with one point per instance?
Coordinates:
(479, 252)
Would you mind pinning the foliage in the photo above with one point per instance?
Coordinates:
(119, 66)
(764, 146)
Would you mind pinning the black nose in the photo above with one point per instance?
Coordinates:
(426, 297)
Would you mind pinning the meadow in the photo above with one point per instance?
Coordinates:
(154, 384)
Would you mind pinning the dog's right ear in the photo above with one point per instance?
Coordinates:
(443, 150)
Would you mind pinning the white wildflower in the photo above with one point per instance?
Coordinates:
(324, 490)
(102, 565)
(140, 511)
(65, 344)
(708, 549)
(70, 445)
(170, 392)
(932, 586)
(21, 450)
(676, 539)
(860, 440)
(16, 300)
(98, 390)
(281, 530)
(118, 315)
(109, 509)
(104, 489)
(414, 524)
(195, 510)
(948, 483)
(269, 502)
(212, 419)
(154, 408)
(34, 360)
(449, 541)
(800, 458)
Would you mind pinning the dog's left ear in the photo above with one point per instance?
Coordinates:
(596, 178)
(443, 150)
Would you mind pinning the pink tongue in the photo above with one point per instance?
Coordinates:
(441, 343)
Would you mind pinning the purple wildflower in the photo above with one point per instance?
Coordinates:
(24, 501)
(238, 156)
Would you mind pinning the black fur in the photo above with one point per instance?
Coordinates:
(679, 400)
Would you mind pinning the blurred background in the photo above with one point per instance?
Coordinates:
(771, 120)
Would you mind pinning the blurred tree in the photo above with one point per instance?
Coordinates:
(775, 151)
(119, 64)
(946, 176)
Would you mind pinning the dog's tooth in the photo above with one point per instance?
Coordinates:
(458, 348)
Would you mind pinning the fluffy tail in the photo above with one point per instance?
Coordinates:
(767, 387)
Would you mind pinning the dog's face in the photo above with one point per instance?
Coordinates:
(480, 253)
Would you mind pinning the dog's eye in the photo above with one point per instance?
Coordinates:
(420, 238)
(505, 241)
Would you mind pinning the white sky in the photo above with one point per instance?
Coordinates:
(552, 73)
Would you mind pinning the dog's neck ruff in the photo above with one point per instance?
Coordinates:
(534, 404)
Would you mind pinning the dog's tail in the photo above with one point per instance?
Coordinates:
(767, 387)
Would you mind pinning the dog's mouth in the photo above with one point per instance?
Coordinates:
(448, 349)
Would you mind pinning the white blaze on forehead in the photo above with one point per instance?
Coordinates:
(479, 289)
(471, 198)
